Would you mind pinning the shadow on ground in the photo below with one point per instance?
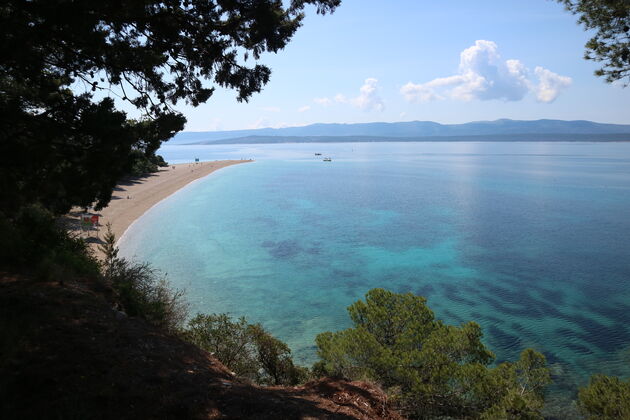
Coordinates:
(66, 353)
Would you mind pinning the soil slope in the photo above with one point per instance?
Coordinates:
(65, 353)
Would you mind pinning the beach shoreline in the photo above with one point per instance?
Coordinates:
(135, 196)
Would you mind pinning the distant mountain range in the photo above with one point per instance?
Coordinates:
(499, 130)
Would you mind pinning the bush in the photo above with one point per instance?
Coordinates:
(159, 161)
(143, 293)
(605, 398)
(141, 290)
(141, 164)
(433, 370)
(32, 241)
(229, 340)
(246, 349)
(274, 356)
(144, 163)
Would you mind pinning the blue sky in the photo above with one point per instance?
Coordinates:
(449, 61)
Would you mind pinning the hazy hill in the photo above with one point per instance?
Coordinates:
(367, 139)
(412, 131)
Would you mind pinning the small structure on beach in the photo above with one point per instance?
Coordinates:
(89, 222)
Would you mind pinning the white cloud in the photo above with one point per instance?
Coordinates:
(419, 92)
(340, 98)
(304, 108)
(550, 84)
(271, 108)
(368, 98)
(484, 75)
(322, 101)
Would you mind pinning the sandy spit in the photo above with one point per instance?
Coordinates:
(133, 197)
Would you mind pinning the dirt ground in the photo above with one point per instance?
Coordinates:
(65, 353)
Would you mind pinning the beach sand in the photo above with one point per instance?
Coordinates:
(134, 196)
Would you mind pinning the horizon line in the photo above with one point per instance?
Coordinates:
(397, 122)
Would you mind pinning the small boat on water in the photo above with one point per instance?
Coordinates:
(318, 154)
(327, 159)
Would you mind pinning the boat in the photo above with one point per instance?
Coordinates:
(327, 159)
(318, 154)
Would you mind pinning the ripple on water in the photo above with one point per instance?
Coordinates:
(291, 243)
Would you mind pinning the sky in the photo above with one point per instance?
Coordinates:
(449, 61)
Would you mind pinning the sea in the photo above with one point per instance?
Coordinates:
(529, 239)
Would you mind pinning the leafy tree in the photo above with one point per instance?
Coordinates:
(611, 43)
(275, 359)
(60, 144)
(247, 349)
(605, 398)
(229, 340)
(516, 389)
(433, 369)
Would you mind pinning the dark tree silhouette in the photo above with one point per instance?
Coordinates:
(611, 43)
(62, 140)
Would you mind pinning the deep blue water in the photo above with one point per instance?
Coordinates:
(531, 240)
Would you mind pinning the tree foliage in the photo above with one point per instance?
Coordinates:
(611, 43)
(433, 369)
(246, 349)
(61, 147)
(605, 398)
(31, 242)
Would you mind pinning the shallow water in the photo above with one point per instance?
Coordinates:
(531, 240)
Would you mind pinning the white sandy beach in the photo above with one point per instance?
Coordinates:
(133, 197)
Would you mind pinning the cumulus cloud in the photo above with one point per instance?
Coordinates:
(484, 75)
(304, 108)
(550, 84)
(420, 92)
(368, 99)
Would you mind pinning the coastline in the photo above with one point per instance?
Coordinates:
(133, 197)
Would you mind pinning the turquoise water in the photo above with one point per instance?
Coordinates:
(531, 240)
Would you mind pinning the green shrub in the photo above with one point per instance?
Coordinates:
(246, 349)
(159, 161)
(274, 356)
(229, 340)
(605, 398)
(143, 163)
(142, 290)
(432, 370)
(32, 241)
(144, 293)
